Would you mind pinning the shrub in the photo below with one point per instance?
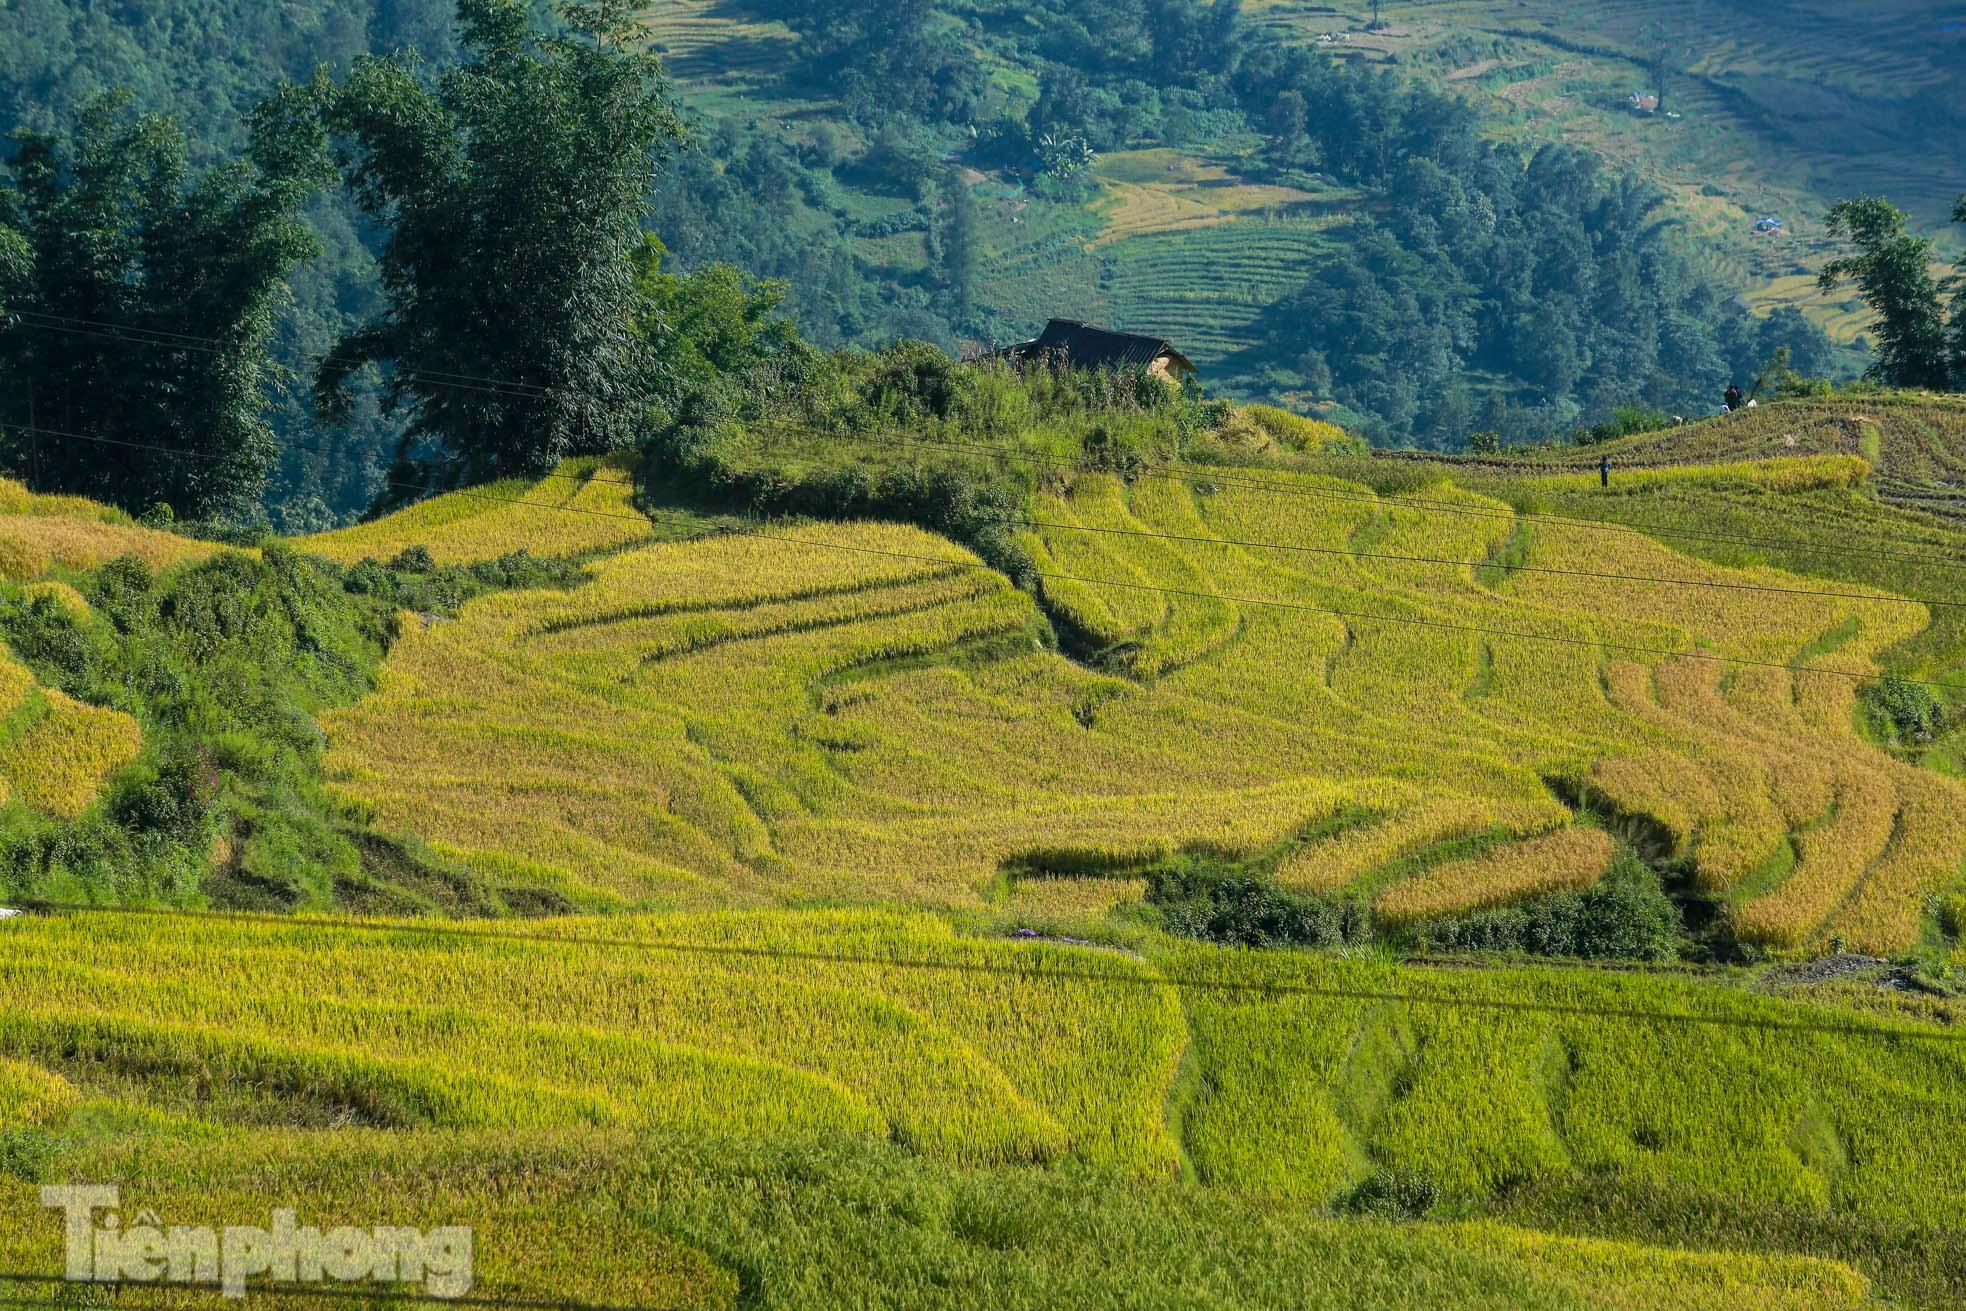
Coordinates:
(1107, 451)
(1214, 902)
(21, 560)
(1901, 712)
(173, 799)
(1625, 916)
(49, 637)
(1625, 421)
(1395, 1194)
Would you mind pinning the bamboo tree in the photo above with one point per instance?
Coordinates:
(512, 190)
(144, 302)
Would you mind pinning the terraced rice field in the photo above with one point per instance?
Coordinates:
(39, 533)
(1153, 191)
(55, 751)
(1782, 112)
(1916, 445)
(1187, 254)
(1210, 289)
(709, 41)
(585, 505)
(862, 713)
(477, 1075)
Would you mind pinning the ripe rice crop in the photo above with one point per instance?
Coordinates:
(1832, 859)
(1798, 474)
(1297, 432)
(1557, 862)
(38, 532)
(746, 720)
(1330, 864)
(1306, 1096)
(1692, 1280)
(1012, 1065)
(64, 595)
(30, 1095)
(17, 685)
(59, 762)
(584, 505)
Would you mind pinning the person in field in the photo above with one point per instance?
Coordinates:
(1604, 470)
(1733, 396)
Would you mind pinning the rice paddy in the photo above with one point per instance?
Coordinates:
(41, 533)
(583, 506)
(862, 714)
(820, 771)
(57, 752)
(892, 1061)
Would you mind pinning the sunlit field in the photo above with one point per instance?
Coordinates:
(1282, 667)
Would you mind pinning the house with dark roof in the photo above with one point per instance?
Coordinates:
(1082, 346)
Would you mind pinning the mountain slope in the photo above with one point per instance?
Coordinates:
(1337, 687)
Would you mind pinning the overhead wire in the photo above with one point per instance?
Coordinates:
(162, 1289)
(1049, 971)
(1171, 470)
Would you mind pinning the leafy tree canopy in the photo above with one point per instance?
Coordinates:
(1893, 272)
(143, 300)
(512, 191)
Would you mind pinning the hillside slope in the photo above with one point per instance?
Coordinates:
(1355, 693)
(1190, 230)
(914, 991)
(1782, 109)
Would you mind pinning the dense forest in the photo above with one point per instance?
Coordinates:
(207, 64)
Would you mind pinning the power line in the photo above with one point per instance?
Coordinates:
(1708, 584)
(1477, 564)
(31, 1280)
(1598, 643)
(137, 336)
(1197, 476)
(1201, 981)
(1303, 607)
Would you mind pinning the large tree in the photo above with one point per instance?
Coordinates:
(1959, 309)
(135, 354)
(1893, 272)
(512, 189)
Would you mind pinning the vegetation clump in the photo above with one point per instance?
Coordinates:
(1626, 915)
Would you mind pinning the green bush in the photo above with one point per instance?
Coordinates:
(1625, 421)
(225, 664)
(1207, 899)
(48, 637)
(852, 435)
(1394, 1194)
(1624, 916)
(1902, 712)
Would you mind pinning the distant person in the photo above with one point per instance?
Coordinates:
(1604, 470)
(1733, 397)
